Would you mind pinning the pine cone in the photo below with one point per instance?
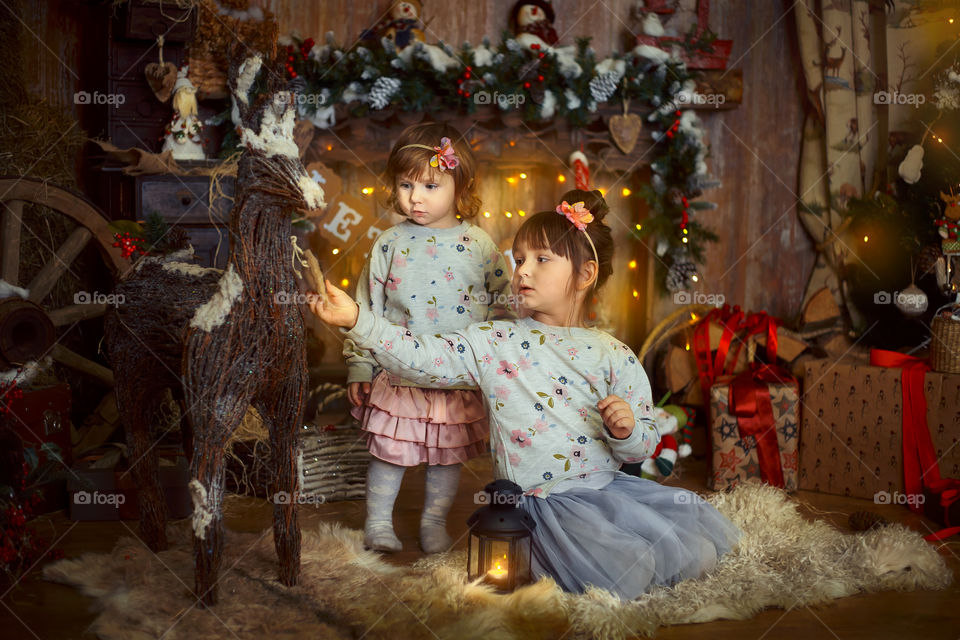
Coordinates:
(678, 276)
(866, 520)
(603, 86)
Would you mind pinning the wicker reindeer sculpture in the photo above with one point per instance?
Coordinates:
(223, 340)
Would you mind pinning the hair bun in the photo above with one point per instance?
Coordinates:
(593, 200)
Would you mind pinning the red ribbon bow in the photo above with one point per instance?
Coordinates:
(750, 403)
(919, 458)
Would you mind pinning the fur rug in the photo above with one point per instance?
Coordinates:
(783, 560)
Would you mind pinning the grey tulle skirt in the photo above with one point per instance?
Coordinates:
(626, 537)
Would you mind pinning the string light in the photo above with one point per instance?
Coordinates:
(625, 192)
(336, 251)
(693, 316)
(329, 147)
(561, 178)
(685, 232)
(632, 264)
(866, 238)
(508, 214)
(366, 191)
(636, 294)
(344, 283)
(639, 227)
(512, 180)
(684, 239)
(695, 278)
(486, 214)
(687, 347)
(513, 143)
(522, 213)
(523, 176)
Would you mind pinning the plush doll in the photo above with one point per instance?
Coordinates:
(669, 420)
(184, 134)
(402, 27)
(533, 23)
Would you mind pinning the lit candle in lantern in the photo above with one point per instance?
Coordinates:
(499, 572)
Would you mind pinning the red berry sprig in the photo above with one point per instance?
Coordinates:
(676, 125)
(467, 74)
(128, 244)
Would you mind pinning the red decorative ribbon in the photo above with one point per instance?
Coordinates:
(732, 321)
(919, 458)
(750, 403)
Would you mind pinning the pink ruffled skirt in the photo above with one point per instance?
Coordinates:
(408, 426)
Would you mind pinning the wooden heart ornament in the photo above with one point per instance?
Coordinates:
(161, 76)
(625, 130)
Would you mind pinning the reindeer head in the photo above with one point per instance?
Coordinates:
(266, 130)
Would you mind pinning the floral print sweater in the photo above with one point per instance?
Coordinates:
(542, 385)
(430, 280)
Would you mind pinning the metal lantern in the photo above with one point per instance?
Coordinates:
(499, 549)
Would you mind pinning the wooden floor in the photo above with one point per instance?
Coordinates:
(37, 609)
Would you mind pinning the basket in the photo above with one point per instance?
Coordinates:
(945, 346)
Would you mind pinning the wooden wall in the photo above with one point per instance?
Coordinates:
(763, 258)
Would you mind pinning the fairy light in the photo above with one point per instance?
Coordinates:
(561, 178)
(693, 316)
(687, 346)
(335, 251)
(521, 213)
(625, 192)
(523, 176)
(508, 214)
(344, 283)
(486, 214)
(603, 192)
(685, 232)
(639, 227)
(512, 180)
(366, 191)
(684, 239)
(866, 238)
(636, 294)
(513, 143)
(329, 147)
(632, 264)
(695, 278)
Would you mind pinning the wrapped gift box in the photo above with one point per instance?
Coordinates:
(736, 457)
(852, 441)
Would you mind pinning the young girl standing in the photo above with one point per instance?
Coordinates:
(434, 272)
(568, 405)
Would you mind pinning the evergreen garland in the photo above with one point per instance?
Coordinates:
(565, 82)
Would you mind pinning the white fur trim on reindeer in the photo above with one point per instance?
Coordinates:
(312, 192)
(202, 513)
(245, 77)
(8, 290)
(276, 135)
(215, 311)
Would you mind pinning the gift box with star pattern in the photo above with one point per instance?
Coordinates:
(852, 443)
(736, 457)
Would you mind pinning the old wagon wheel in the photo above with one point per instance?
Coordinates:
(52, 307)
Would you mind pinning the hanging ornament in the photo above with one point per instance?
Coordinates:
(912, 301)
(680, 273)
(161, 76)
(581, 170)
(912, 164)
(625, 129)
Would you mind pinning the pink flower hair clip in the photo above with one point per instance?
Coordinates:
(445, 159)
(577, 213)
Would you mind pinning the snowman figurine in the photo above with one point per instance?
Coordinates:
(533, 24)
(403, 27)
(184, 135)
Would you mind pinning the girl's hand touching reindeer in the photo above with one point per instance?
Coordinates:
(338, 309)
(617, 416)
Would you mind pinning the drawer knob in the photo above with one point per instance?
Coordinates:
(185, 197)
